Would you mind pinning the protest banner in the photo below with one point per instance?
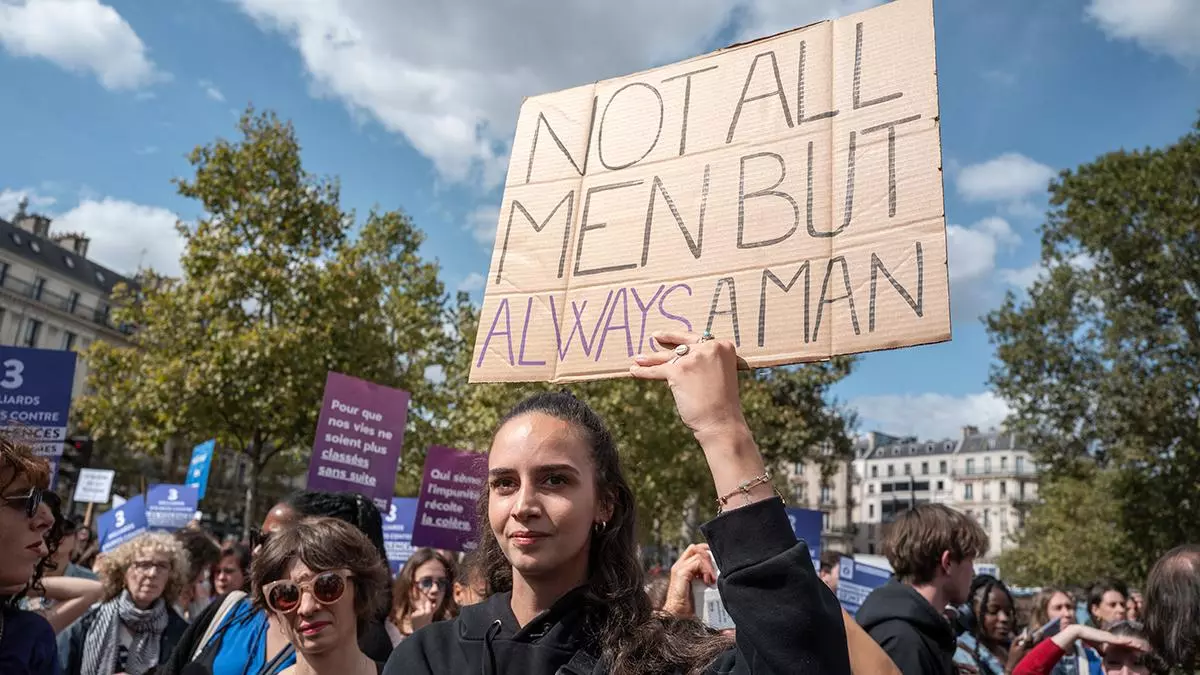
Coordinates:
(359, 436)
(170, 507)
(197, 475)
(121, 523)
(94, 486)
(990, 569)
(785, 194)
(398, 531)
(856, 580)
(450, 490)
(806, 523)
(35, 397)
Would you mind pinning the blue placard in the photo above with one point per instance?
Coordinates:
(120, 524)
(990, 569)
(170, 507)
(197, 474)
(856, 581)
(397, 531)
(806, 523)
(35, 396)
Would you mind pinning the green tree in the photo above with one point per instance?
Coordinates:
(1101, 362)
(275, 292)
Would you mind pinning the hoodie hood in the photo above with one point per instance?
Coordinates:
(896, 601)
(494, 619)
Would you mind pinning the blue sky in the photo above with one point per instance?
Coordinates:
(413, 104)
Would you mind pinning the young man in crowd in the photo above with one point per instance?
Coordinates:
(831, 569)
(932, 550)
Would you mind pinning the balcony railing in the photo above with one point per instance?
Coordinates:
(68, 305)
(1023, 472)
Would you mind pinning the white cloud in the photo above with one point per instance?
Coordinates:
(11, 199)
(473, 282)
(211, 90)
(930, 416)
(454, 92)
(1023, 277)
(973, 252)
(481, 223)
(126, 235)
(1170, 27)
(80, 36)
(1011, 177)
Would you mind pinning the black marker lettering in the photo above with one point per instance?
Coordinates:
(786, 288)
(877, 266)
(778, 91)
(569, 199)
(584, 227)
(694, 245)
(687, 103)
(766, 192)
(891, 127)
(537, 130)
(732, 311)
(657, 133)
(826, 300)
(849, 209)
(800, 118)
(858, 49)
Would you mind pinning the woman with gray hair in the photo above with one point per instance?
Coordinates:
(134, 628)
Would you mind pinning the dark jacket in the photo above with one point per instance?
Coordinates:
(916, 636)
(787, 622)
(78, 631)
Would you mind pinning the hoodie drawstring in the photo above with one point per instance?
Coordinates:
(489, 657)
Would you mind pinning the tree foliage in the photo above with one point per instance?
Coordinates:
(1101, 363)
(275, 292)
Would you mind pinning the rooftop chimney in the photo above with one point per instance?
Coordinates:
(969, 431)
(35, 223)
(73, 241)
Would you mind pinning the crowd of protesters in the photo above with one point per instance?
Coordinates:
(557, 585)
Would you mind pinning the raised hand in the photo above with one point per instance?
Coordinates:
(695, 564)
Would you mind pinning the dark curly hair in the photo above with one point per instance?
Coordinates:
(620, 624)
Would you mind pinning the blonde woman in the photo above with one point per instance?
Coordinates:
(134, 628)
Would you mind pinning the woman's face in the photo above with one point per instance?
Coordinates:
(229, 576)
(997, 616)
(21, 537)
(1122, 661)
(1111, 608)
(1133, 608)
(542, 498)
(316, 627)
(1061, 607)
(430, 581)
(147, 576)
(62, 556)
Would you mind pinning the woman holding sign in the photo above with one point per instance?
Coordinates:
(559, 545)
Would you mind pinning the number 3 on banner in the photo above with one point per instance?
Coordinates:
(120, 519)
(12, 374)
(391, 516)
(172, 495)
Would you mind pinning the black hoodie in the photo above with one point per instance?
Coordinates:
(919, 640)
(787, 622)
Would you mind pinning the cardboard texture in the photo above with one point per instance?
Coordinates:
(784, 193)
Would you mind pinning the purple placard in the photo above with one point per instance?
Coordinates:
(359, 436)
(449, 493)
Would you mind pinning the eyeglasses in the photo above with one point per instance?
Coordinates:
(30, 502)
(427, 583)
(149, 565)
(283, 596)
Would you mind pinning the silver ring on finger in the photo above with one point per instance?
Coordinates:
(706, 336)
(680, 352)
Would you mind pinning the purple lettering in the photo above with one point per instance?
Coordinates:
(492, 332)
(623, 298)
(662, 308)
(524, 333)
(577, 310)
(645, 309)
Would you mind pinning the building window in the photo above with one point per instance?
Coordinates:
(3, 272)
(826, 494)
(799, 468)
(1021, 490)
(1003, 488)
(72, 301)
(39, 285)
(870, 510)
(924, 468)
(871, 549)
(1003, 463)
(987, 464)
(968, 492)
(987, 490)
(891, 470)
(941, 486)
(33, 329)
(68, 340)
(970, 466)
(874, 472)
(907, 469)
(942, 468)
(871, 531)
(825, 523)
(987, 519)
(1020, 465)
(871, 489)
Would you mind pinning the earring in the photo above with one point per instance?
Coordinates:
(600, 526)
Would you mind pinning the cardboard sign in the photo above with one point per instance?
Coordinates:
(94, 486)
(197, 475)
(122, 523)
(359, 436)
(170, 507)
(856, 581)
(35, 397)
(446, 515)
(398, 531)
(785, 194)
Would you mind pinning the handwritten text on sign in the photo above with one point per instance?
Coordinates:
(785, 194)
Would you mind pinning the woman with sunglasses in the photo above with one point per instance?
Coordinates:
(26, 639)
(322, 580)
(422, 594)
(559, 541)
